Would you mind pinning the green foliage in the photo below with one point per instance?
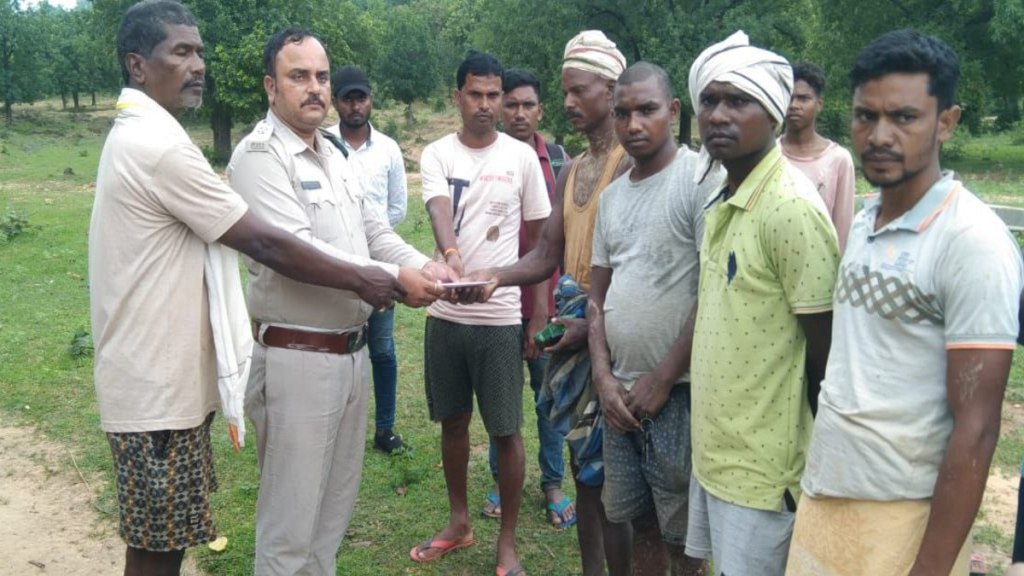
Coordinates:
(21, 57)
(438, 104)
(953, 151)
(14, 224)
(409, 68)
(391, 128)
(81, 344)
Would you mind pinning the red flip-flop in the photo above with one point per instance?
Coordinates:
(435, 548)
(502, 571)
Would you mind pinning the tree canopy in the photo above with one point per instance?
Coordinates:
(411, 48)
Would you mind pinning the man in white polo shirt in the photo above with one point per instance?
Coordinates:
(923, 336)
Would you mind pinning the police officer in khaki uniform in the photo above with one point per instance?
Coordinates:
(308, 390)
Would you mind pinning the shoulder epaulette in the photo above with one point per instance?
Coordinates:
(258, 140)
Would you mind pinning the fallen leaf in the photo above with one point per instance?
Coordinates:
(362, 544)
(219, 544)
(401, 490)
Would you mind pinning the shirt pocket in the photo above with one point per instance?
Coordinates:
(322, 210)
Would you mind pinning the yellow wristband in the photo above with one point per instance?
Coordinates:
(449, 251)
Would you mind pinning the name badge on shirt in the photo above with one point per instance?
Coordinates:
(310, 184)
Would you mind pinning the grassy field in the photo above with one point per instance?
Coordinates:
(47, 167)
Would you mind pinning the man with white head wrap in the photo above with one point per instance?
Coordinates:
(591, 65)
(768, 264)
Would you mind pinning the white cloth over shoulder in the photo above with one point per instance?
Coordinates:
(592, 51)
(232, 333)
(766, 76)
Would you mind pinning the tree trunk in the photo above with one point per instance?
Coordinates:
(8, 113)
(74, 98)
(220, 121)
(63, 100)
(685, 137)
(93, 94)
(409, 119)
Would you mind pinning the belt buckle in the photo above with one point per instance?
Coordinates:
(357, 339)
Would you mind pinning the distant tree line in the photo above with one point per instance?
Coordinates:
(411, 47)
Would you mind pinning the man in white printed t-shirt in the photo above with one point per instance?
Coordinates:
(479, 185)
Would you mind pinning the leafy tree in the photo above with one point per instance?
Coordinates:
(669, 33)
(235, 32)
(408, 66)
(20, 57)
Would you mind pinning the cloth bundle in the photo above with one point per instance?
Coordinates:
(568, 396)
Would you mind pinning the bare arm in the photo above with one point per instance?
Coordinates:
(543, 258)
(818, 333)
(303, 262)
(975, 382)
(539, 292)
(610, 391)
(439, 209)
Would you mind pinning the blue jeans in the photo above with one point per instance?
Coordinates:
(381, 342)
(549, 455)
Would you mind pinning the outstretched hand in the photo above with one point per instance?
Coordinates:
(477, 294)
(422, 289)
(378, 288)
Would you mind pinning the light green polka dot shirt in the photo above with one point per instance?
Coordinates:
(769, 253)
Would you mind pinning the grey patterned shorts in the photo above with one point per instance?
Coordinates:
(462, 359)
(164, 482)
(650, 469)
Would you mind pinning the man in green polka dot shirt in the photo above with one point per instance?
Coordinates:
(768, 265)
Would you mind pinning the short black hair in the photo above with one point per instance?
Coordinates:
(517, 78)
(144, 25)
(812, 74)
(910, 52)
(640, 71)
(478, 64)
(277, 42)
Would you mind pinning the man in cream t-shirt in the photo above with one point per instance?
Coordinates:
(479, 185)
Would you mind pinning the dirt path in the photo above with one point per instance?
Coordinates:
(48, 524)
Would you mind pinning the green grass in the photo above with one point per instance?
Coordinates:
(44, 301)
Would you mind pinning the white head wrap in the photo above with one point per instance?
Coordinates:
(592, 51)
(766, 76)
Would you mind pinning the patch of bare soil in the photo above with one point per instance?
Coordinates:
(48, 522)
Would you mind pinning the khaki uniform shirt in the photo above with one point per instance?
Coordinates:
(314, 195)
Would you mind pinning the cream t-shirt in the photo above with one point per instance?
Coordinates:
(158, 203)
(497, 187)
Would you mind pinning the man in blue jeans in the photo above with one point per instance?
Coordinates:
(521, 111)
(378, 163)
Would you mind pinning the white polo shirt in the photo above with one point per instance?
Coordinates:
(946, 275)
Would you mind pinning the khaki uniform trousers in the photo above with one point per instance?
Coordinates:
(309, 410)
